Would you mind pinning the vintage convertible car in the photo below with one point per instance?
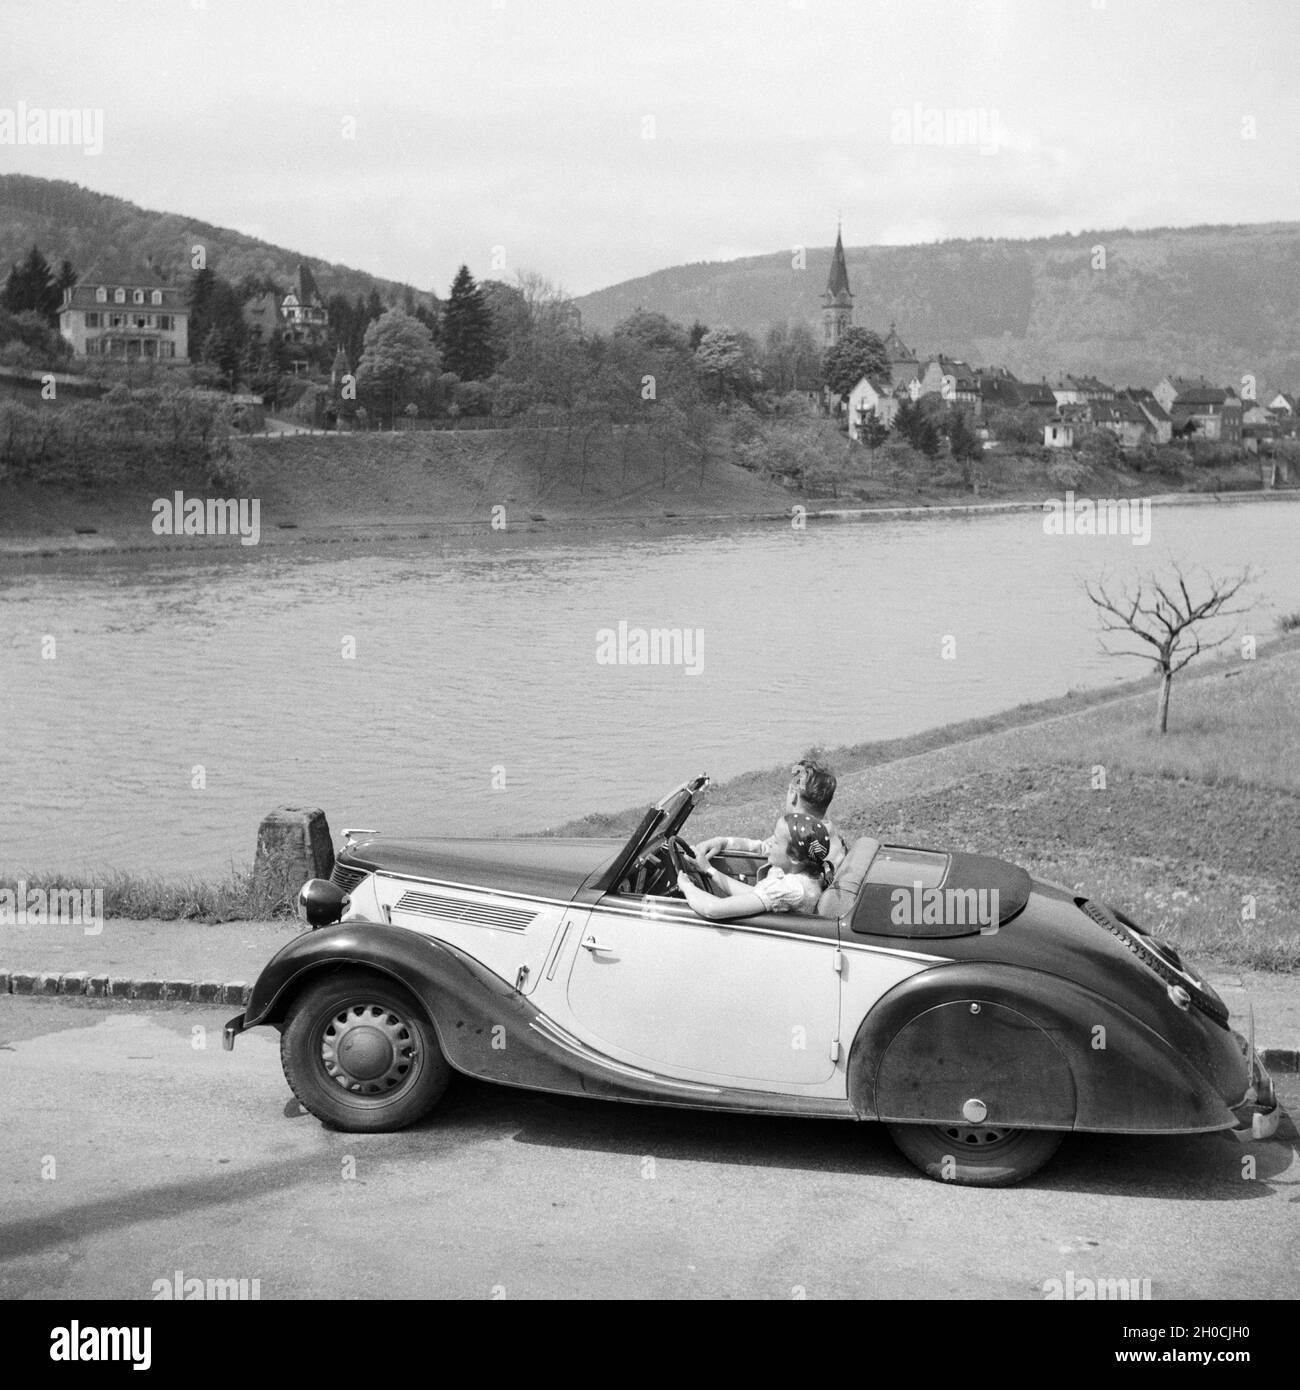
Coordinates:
(978, 1013)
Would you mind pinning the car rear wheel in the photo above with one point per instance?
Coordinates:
(976, 1155)
(361, 1055)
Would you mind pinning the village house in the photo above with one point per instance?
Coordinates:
(1058, 432)
(1082, 390)
(1122, 417)
(1284, 404)
(131, 315)
(876, 398)
(903, 366)
(1156, 415)
(1259, 427)
(951, 379)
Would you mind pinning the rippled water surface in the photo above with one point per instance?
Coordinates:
(477, 670)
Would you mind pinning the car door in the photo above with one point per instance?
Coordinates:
(751, 1003)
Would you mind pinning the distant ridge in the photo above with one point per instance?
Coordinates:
(1223, 300)
(89, 229)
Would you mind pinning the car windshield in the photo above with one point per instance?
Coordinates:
(661, 820)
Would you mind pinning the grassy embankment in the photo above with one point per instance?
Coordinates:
(1185, 830)
(425, 484)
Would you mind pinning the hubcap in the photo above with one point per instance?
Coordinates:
(977, 1136)
(368, 1049)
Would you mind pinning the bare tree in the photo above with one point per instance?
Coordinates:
(1162, 613)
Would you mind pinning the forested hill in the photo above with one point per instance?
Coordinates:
(66, 220)
(1218, 300)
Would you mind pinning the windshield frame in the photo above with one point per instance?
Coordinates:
(664, 818)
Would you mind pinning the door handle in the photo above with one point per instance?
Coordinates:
(591, 944)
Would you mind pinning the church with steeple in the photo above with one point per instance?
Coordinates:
(837, 302)
(837, 319)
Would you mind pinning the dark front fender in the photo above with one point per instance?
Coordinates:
(1038, 1051)
(485, 1028)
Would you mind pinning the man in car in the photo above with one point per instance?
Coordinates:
(811, 790)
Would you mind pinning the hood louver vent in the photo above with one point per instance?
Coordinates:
(458, 910)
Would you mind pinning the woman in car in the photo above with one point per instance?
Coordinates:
(796, 872)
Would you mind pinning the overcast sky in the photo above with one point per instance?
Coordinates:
(595, 140)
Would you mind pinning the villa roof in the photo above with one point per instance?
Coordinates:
(896, 349)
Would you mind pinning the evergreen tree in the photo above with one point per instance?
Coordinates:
(202, 287)
(962, 440)
(33, 286)
(467, 330)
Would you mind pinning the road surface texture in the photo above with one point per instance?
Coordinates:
(133, 1147)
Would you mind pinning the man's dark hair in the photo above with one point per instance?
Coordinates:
(816, 783)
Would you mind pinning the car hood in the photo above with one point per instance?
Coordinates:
(532, 865)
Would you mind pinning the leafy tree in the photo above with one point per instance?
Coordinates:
(873, 432)
(908, 422)
(1018, 425)
(511, 320)
(964, 443)
(726, 359)
(219, 350)
(467, 330)
(655, 332)
(858, 353)
(696, 335)
(791, 360)
(397, 356)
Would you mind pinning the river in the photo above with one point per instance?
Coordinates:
(156, 705)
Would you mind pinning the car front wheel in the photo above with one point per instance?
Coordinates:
(361, 1055)
(976, 1155)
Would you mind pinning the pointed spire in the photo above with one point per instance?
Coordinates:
(838, 282)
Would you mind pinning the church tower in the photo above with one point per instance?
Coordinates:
(837, 302)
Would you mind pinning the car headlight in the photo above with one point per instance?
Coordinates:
(321, 902)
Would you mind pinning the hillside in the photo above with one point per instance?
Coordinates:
(66, 220)
(1219, 300)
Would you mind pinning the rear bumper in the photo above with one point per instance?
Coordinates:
(231, 1031)
(1258, 1114)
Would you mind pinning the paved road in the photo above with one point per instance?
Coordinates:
(167, 1156)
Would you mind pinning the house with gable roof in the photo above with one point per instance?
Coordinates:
(126, 312)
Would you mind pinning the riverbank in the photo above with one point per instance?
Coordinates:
(474, 490)
(1193, 832)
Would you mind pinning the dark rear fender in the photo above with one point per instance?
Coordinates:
(1040, 1053)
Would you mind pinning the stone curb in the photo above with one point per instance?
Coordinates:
(48, 982)
(82, 982)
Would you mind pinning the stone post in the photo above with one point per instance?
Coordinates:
(293, 845)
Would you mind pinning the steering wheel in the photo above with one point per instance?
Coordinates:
(678, 852)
